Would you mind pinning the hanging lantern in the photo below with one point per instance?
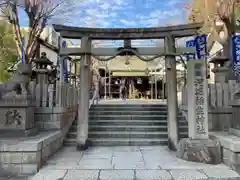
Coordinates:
(147, 71)
(139, 81)
(127, 62)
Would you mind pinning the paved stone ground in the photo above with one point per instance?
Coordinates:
(127, 163)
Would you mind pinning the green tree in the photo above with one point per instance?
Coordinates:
(8, 53)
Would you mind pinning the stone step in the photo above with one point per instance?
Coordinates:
(129, 106)
(125, 134)
(132, 128)
(126, 128)
(162, 122)
(131, 117)
(123, 108)
(128, 112)
(121, 142)
(128, 109)
(128, 122)
(128, 142)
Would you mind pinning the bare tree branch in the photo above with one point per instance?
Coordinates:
(39, 13)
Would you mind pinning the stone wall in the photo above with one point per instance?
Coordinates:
(55, 118)
(25, 156)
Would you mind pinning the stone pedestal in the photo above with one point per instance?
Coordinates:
(198, 147)
(204, 150)
(17, 117)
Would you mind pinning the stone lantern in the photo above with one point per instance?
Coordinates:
(41, 68)
(219, 69)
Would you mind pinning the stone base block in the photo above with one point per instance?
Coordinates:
(25, 156)
(230, 143)
(205, 151)
(19, 133)
(83, 147)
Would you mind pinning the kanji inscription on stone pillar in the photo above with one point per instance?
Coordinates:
(197, 100)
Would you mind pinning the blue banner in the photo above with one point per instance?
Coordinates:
(59, 42)
(23, 51)
(201, 46)
(58, 59)
(236, 55)
(190, 43)
(65, 63)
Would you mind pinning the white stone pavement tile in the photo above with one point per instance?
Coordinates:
(116, 175)
(60, 166)
(154, 148)
(128, 162)
(181, 164)
(97, 156)
(159, 158)
(99, 150)
(222, 174)
(126, 149)
(64, 159)
(128, 155)
(153, 175)
(128, 165)
(153, 165)
(188, 175)
(45, 174)
(82, 175)
(66, 155)
(95, 164)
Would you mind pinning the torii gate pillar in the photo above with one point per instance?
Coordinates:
(83, 109)
(172, 103)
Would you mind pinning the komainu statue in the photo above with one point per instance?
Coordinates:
(18, 84)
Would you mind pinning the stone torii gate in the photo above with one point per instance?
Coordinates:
(86, 51)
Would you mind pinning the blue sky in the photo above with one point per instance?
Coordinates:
(120, 13)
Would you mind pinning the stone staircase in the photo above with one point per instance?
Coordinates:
(128, 124)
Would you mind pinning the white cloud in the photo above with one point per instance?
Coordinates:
(115, 13)
(127, 22)
(173, 2)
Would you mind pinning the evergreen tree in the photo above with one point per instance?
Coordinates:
(8, 53)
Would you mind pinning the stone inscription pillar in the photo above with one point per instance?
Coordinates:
(171, 82)
(199, 147)
(197, 100)
(83, 110)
